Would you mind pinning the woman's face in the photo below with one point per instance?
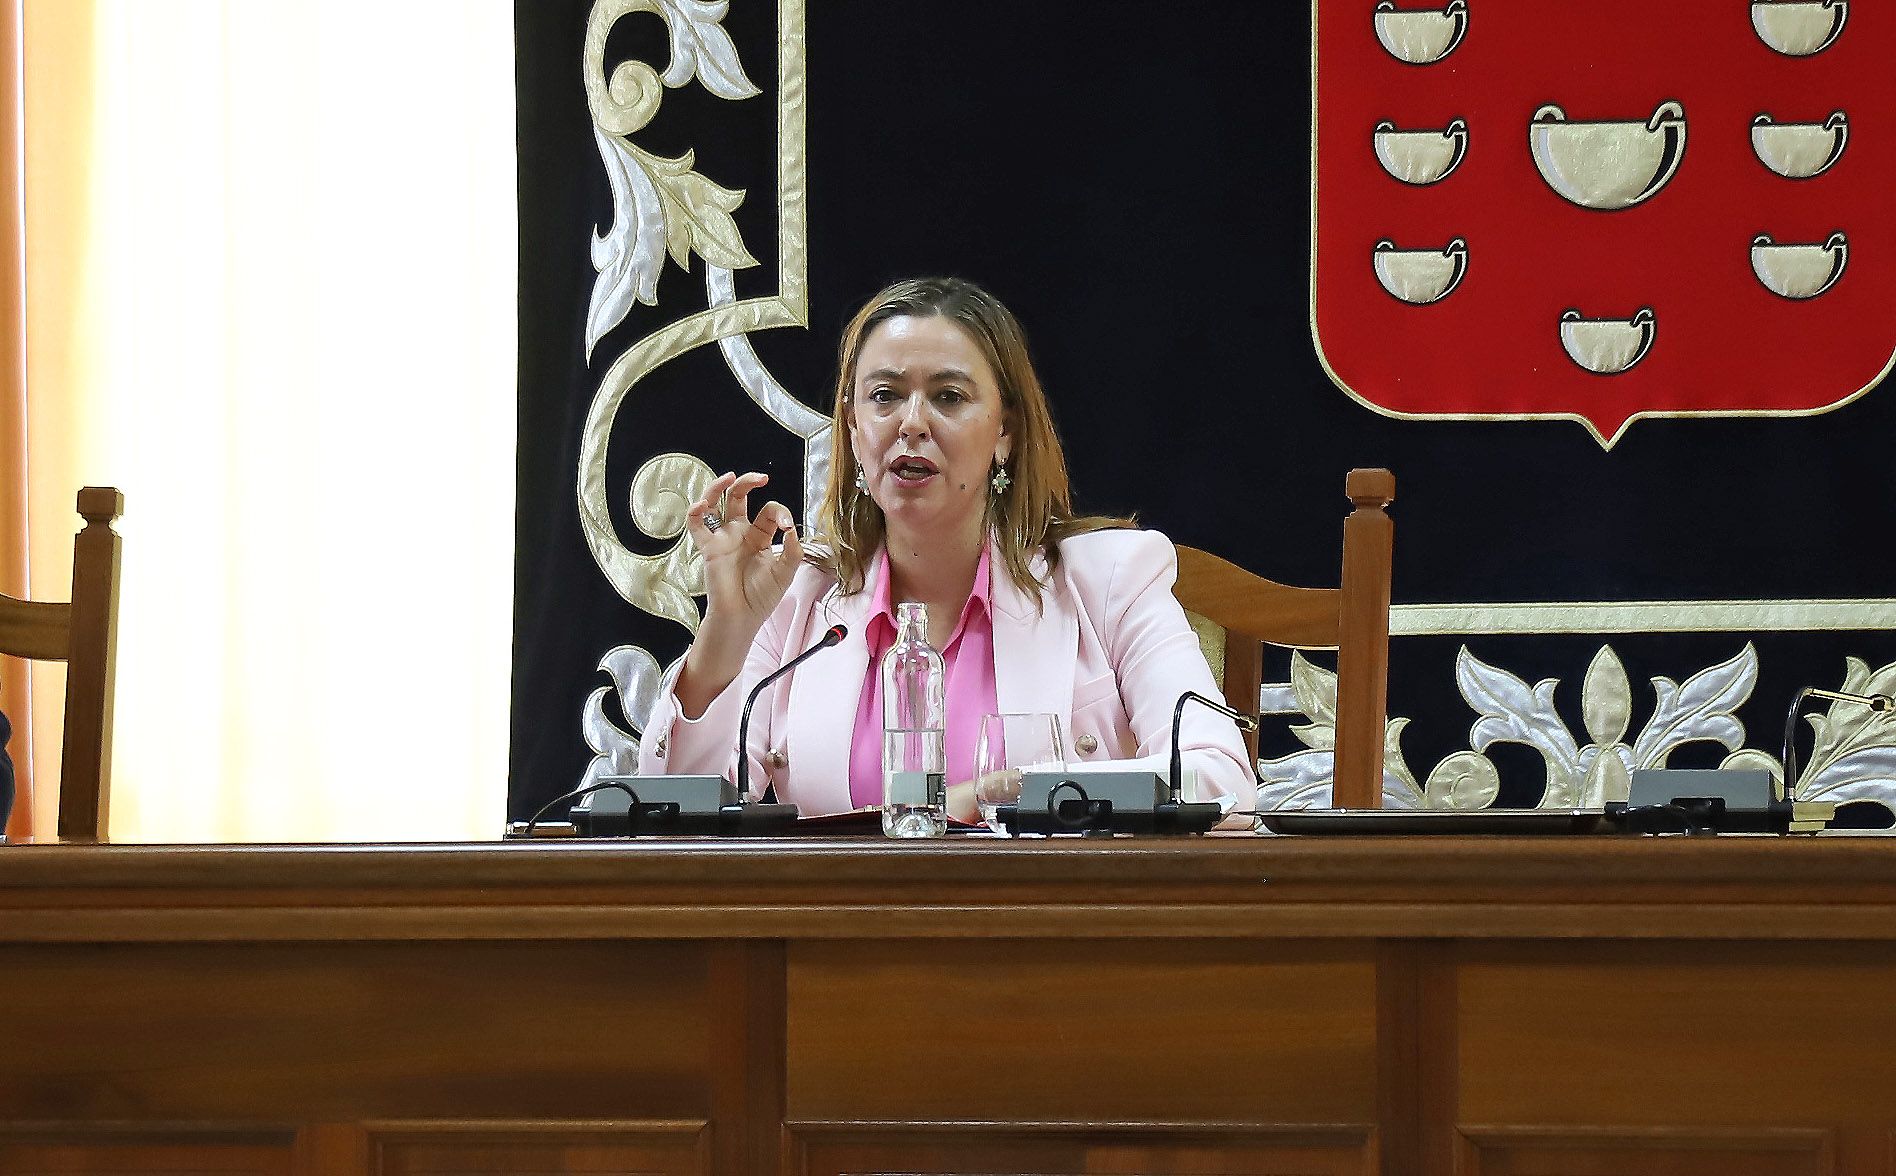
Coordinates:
(926, 424)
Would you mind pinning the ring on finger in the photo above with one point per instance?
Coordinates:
(712, 521)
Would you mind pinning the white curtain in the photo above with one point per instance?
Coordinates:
(271, 295)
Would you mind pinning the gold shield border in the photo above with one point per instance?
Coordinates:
(1316, 338)
(1652, 616)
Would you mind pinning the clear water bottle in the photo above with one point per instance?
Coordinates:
(914, 714)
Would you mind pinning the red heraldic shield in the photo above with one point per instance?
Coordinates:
(1604, 210)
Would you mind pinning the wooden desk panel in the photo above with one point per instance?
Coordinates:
(248, 1032)
(1210, 1006)
(1174, 1031)
(988, 1149)
(1702, 1035)
(172, 1153)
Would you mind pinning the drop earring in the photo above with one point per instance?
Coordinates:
(862, 483)
(1001, 481)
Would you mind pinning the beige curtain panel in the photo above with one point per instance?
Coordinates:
(280, 317)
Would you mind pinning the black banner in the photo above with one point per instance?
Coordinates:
(1136, 185)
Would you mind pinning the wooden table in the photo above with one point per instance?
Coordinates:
(1202, 1006)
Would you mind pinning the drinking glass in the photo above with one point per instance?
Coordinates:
(1008, 745)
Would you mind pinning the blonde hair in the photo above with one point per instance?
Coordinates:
(1036, 510)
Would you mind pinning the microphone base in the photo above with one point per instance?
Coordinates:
(1103, 803)
(679, 806)
(1702, 800)
(664, 820)
(1100, 818)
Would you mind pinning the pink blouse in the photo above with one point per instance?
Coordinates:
(969, 664)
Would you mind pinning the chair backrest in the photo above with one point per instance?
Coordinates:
(84, 634)
(1353, 619)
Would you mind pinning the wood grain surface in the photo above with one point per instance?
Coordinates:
(1204, 1006)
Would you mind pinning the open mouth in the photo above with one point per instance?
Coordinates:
(913, 470)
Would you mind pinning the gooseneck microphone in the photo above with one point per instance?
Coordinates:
(1881, 703)
(689, 805)
(1876, 702)
(1118, 799)
(832, 636)
(1177, 778)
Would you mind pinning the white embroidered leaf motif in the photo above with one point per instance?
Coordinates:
(1513, 713)
(1400, 794)
(1866, 774)
(1303, 780)
(636, 677)
(615, 752)
(1317, 735)
(1396, 773)
(1605, 775)
(697, 214)
(1853, 753)
(636, 680)
(1752, 760)
(1315, 690)
(1314, 687)
(1848, 726)
(630, 254)
(659, 206)
(1606, 698)
(1858, 679)
(699, 45)
(1856, 675)
(1865, 766)
(1297, 781)
(1701, 710)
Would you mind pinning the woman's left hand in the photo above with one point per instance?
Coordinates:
(1002, 787)
(966, 798)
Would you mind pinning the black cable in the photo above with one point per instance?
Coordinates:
(1790, 744)
(576, 793)
(1053, 809)
(1692, 821)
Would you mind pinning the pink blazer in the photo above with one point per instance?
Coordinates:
(1108, 650)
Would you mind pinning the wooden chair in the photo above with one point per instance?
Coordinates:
(1352, 619)
(84, 635)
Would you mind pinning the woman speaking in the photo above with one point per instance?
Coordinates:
(947, 486)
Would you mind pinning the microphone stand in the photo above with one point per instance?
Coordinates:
(1130, 801)
(833, 635)
(670, 816)
(1708, 814)
(1881, 703)
(1245, 723)
(1175, 813)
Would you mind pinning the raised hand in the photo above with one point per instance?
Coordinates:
(745, 577)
